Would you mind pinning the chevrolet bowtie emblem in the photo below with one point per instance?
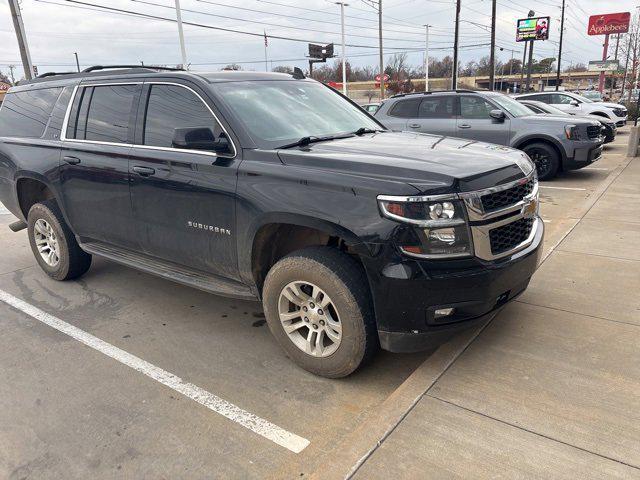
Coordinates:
(530, 210)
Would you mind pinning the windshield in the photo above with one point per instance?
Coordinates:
(278, 112)
(512, 106)
(592, 95)
(581, 98)
(551, 109)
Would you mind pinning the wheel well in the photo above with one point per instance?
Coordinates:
(275, 240)
(30, 192)
(526, 143)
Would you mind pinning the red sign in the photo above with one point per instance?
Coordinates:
(386, 78)
(609, 23)
(4, 87)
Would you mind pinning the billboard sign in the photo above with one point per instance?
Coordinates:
(536, 28)
(609, 23)
(604, 66)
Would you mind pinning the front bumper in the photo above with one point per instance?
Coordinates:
(407, 292)
(584, 153)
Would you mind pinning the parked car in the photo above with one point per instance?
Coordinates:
(609, 127)
(577, 104)
(553, 143)
(271, 187)
(370, 107)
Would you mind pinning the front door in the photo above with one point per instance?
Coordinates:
(94, 170)
(475, 122)
(183, 192)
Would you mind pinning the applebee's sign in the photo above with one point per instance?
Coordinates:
(609, 23)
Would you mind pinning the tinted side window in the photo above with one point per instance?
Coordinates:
(405, 108)
(540, 98)
(25, 114)
(475, 107)
(171, 108)
(560, 99)
(102, 113)
(437, 107)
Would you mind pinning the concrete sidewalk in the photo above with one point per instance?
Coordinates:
(551, 387)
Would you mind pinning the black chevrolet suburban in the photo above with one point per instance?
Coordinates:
(271, 187)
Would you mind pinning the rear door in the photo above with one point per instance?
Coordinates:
(475, 123)
(94, 168)
(183, 199)
(436, 115)
(398, 113)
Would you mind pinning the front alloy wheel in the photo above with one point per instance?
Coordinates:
(310, 318)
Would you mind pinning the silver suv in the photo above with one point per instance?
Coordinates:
(553, 143)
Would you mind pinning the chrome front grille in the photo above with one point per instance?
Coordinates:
(508, 236)
(504, 198)
(503, 219)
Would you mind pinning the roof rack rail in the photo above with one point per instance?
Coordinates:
(52, 74)
(150, 67)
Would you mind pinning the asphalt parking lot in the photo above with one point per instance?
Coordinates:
(548, 389)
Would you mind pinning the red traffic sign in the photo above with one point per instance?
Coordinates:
(609, 23)
(4, 87)
(386, 77)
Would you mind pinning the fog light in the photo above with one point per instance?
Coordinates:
(444, 312)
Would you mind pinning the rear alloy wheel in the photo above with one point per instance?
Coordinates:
(318, 307)
(545, 158)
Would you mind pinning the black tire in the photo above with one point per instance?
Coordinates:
(344, 281)
(545, 158)
(73, 261)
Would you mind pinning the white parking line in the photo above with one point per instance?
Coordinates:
(248, 420)
(561, 188)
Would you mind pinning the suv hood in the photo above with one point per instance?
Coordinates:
(611, 105)
(431, 163)
(561, 119)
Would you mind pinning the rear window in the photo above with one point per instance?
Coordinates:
(405, 108)
(25, 114)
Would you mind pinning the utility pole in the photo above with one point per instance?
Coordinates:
(344, 55)
(13, 78)
(77, 62)
(183, 49)
(492, 58)
(635, 59)
(22, 39)
(454, 76)
(426, 60)
(626, 66)
(381, 53)
(560, 48)
(604, 58)
(524, 62)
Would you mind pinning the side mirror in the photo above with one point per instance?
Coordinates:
(200, 138)
(497, 115)
(575, 103)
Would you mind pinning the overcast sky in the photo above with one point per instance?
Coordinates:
(58, 28)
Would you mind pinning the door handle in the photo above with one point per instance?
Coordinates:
(414, 125)
(464, 125)
(144, 171)
(71, 160)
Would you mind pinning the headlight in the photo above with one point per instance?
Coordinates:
(572, 132)
(441, 228)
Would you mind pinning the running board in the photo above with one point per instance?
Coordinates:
(17, 226)
(171, 271)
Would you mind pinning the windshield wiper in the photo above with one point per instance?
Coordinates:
(304, 141)
(363, 130)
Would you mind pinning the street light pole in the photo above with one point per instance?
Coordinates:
(381, 54)
(183, 49)
(426, 60)
(344, 56)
